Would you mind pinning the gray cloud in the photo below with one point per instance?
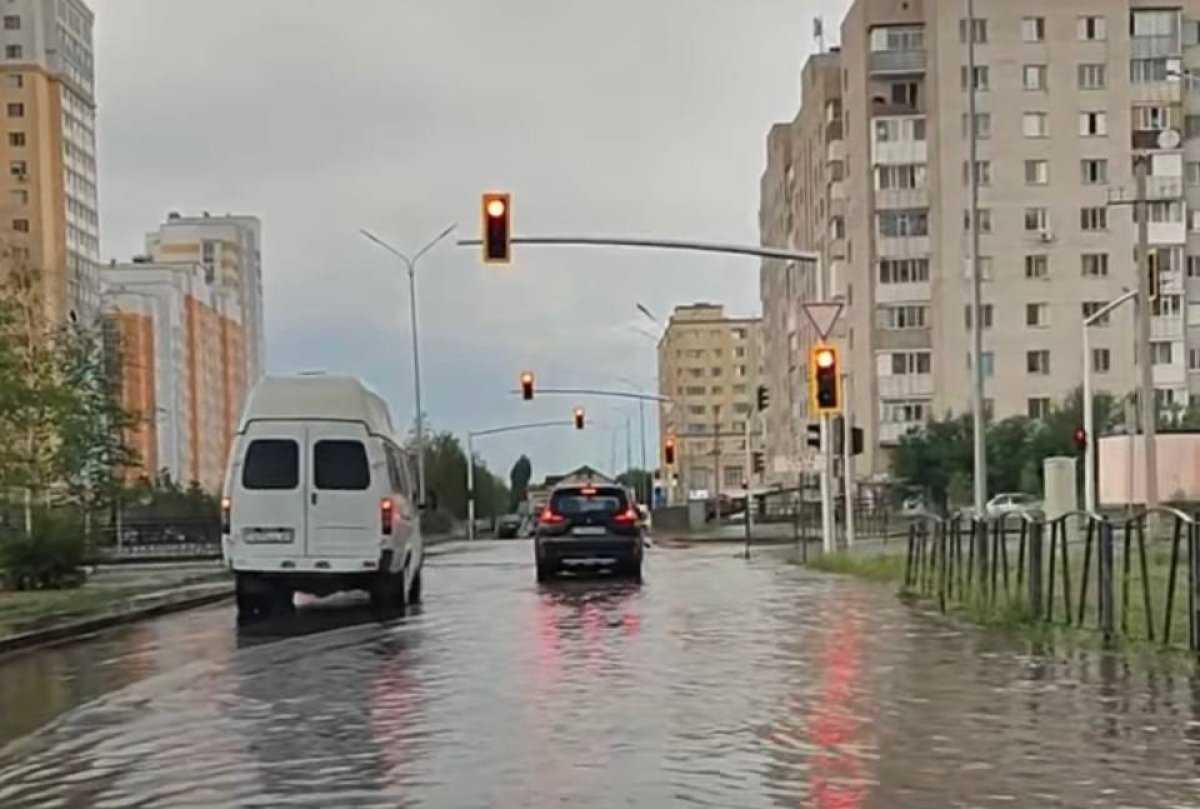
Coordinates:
(630, 116)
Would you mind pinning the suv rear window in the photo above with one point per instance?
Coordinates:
(574, 502)
(271, 463)
(341, 465)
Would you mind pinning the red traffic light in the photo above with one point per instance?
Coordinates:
(527, 385)
(497, 230)
(669, 452)
(579, 418)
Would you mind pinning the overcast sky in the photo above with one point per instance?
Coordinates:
(601, 117)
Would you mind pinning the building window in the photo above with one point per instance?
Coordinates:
(1035, 125)
(904, 271)
(20, 225)
(1194, 359)
(17, 168)
(897, 38)
(904, 93)
(16, 110)
(1095, 265)
(1093, 124)
(12, 52)
(1161, 352)
(738, 333)
(694, 390)
(898, 318)
(982, 77)
(16, 138)
(979, 29)
(1167, 306)
(908, 175)
(1089, 308)
(739, 352)
(983, 124)
(1033, 29)
(905, 363)
(733, 476)
(1037, 266)
(1101, 360)
(1037, 315)
(1037, 220)
(716, 371)
(12, 22)
(1193, 266)
(1143, 71)
(1092, 77)
(1037, 172)
(986, 318)
(983, 172)
(1092, 29)
(1033, 77)
(1095, 172)
(1037, 362)
(1191, 126)
(1191, 171)
(1154, 117)
(1038, 407)
(894, 224)
(985, 220)
(1093, 218)
(1161, 211)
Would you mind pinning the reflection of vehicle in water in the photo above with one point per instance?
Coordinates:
(588, 525)
(319, 497)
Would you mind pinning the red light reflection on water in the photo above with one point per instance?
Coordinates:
(838, 775)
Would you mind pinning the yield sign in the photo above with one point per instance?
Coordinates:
(822, 316)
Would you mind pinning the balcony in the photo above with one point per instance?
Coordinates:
(905, 385)
(902, 293)
(837, 190)
(1168, 233)
(1147, 139)
(1159, 46)
(835, 152)
(902, 246)
(1169, 91)
(1173, 374)
(891, 432)
(1166, 328)
(897, 62)
(833, 130)
(902, 198)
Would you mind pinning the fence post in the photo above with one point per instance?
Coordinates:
(1194, 586)
(981, 540)
(1034, 578)
(1106, 589)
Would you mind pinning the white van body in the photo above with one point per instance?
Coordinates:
(319, 496)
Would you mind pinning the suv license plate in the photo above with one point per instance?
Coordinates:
(268, 535)
(589, 531)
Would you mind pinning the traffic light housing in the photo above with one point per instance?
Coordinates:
(825, 382)
(579, 418)
(497, 230)
(764, 398)
(1080, 439)
(669, 451)
(527, 385)
(759, 462)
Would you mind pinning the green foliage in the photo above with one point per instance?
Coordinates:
(639, 480)
(49, 558)
(163, 499)
(446, 480)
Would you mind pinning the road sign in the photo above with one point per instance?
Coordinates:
(822, 316)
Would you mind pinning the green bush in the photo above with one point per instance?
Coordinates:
(436, 522)
(50, 559)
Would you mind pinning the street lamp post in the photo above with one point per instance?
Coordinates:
(411, 266)
(1089, 417)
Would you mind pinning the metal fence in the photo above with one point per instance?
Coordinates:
(1137, 578)
(176, 537)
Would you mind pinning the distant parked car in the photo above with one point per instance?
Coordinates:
(912, 506)
(509, 526)
(1014, 503)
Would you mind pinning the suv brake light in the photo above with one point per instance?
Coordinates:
(226, 516)
(627, 517)
(385, 516)
(551, 517)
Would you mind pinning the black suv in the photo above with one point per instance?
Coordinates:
(589, 526)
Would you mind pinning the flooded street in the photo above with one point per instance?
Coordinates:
(717, 682)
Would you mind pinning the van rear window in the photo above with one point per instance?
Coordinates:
(271, 463)
(341, 465)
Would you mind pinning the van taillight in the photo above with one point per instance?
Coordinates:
(385, 516)
(226, 515)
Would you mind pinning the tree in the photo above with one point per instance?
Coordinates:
(639, 480)
(518, 478)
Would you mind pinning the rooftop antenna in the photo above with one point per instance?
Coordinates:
(819, 34)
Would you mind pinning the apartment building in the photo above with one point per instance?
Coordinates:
(48, 205)
(228, 247)
(709, 366)
(1068, 93)
(175, 330)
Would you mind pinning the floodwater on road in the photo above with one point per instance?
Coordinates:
(717, 682)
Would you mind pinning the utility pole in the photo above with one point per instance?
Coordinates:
(848, 457)
(717, 457)
(978, 442)
(1144, 309)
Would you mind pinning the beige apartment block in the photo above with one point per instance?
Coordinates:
(48, 201)
(1067, 93)
(709, 365)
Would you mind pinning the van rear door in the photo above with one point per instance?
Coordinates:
(268, 489)
(343, 512)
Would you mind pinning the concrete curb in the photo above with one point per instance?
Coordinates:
(131, 614)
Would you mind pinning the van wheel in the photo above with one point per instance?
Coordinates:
(387, 592)
(545, 570)
(414, 589)
(251, 603)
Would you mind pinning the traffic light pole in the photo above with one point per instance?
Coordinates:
(1089, 415)
(471, 436)
(848, 456)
